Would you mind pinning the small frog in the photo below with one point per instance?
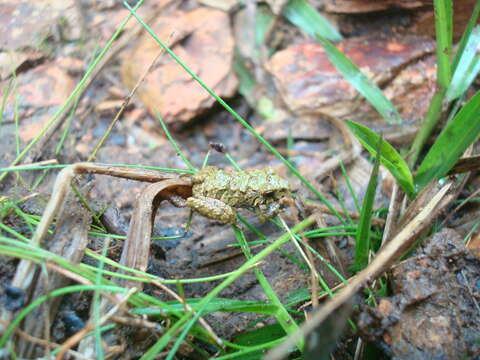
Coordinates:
(216, 192)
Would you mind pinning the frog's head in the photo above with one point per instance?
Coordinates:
(274, 187)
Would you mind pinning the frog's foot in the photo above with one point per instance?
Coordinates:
(176, 200)
(213, 209)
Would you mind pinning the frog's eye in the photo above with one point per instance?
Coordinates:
(270, 194)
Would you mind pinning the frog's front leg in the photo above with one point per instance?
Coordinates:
(212, 208)
(267, 211)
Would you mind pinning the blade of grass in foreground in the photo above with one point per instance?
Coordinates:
(467, 68)
(390, 158)
(452, 142)
(260, 138)
(283, 317)
(359, 81)
(466, 35)
(362, 238)
(307, 18)
(217, 304)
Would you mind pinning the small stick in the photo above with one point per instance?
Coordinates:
(122, 108)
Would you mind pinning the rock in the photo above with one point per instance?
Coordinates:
(203, 40)
(308, 82)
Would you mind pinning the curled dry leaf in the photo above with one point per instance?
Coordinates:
(136, 250)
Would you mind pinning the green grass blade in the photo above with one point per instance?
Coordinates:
(466, 35)
(6, 93)
(262, 23)
(247, 82)
(359, 81)
(283, 317)
(350, 187)
(467, 68)
(307, 18)
(452, 142)
(390, 158)
(96, 305)
(258, 336)
(362, 238)
(174, 143)
(17, 125)
(443, 30)
(217, 304)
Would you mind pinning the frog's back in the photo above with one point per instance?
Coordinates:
(212, 182)
(249, 187)
(238, 189)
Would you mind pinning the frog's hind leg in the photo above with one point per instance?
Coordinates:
(213, 209)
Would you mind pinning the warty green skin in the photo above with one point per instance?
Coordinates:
(215, 192)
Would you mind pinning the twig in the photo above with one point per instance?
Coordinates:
(393, 213)
(123, 107)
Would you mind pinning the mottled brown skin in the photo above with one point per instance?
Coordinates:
(216, 192)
